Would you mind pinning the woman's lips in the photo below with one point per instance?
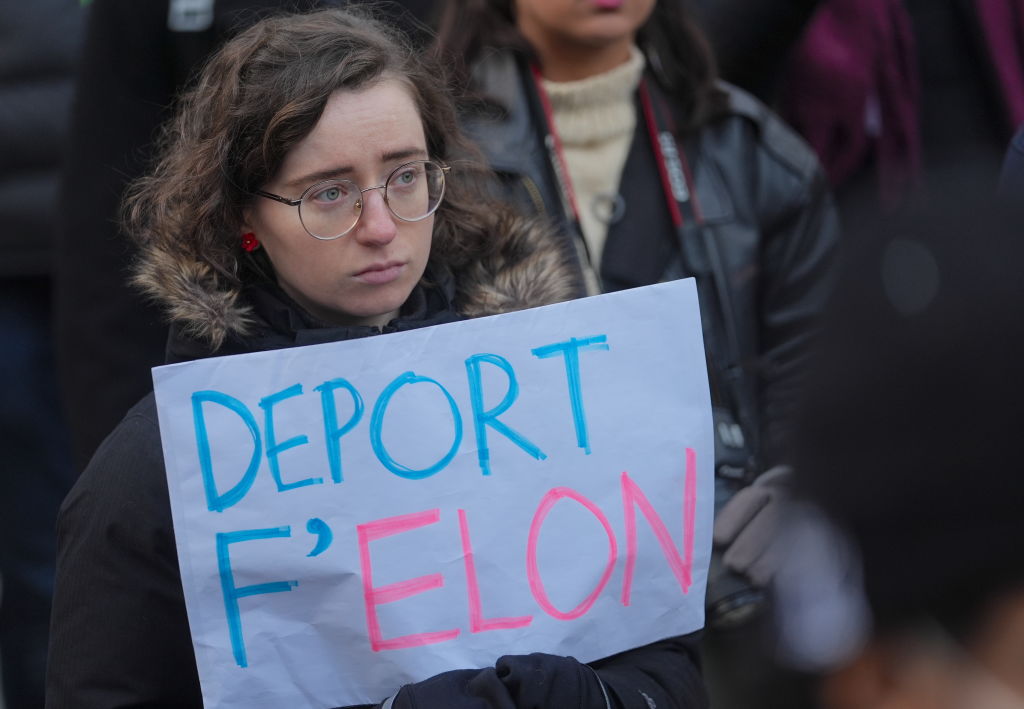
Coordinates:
(379, 274)
(608, 4)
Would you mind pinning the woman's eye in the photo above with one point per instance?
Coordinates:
(405, 177)
(330, 194)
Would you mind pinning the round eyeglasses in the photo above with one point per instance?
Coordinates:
(330, 209)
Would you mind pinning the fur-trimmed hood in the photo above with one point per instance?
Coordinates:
(525, 269)
(529, 267)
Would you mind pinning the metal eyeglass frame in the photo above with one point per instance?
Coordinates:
(359, 202)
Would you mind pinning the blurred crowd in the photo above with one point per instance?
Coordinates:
(855, 167)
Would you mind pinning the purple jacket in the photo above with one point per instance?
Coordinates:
(853, 88)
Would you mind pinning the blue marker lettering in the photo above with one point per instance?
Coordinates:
(570, 352)
(482, 419)
(332, 433)
(215, 501)
(273, 447)
(377, 420)
(233, 593)
(324, 536)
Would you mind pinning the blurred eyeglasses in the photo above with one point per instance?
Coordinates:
(330, 209)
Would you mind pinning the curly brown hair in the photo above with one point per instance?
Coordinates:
(254, 100)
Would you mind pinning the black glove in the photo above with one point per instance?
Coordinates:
(661, 675)
(535, 680)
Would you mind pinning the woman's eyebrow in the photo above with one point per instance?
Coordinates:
(403, 154)
(344, 170)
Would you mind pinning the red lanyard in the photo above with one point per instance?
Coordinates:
(673, 167)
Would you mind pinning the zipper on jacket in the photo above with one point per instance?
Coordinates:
(534, 192)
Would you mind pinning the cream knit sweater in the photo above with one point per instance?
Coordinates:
(595, 118)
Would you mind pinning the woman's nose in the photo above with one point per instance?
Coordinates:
(376, 225)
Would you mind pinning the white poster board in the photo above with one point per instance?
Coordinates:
(354, 516)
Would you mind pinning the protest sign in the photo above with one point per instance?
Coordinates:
(354, 516)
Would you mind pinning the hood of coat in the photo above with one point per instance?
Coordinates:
(523, 267)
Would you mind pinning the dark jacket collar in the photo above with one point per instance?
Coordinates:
(282, 323)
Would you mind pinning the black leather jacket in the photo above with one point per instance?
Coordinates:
(769, 223)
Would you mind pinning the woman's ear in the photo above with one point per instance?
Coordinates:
(248, 224)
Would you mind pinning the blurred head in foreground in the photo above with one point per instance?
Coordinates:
(910, 443)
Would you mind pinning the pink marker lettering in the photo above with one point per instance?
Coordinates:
(477, 622)
(682, 567)
(373, 597)
(532, 570)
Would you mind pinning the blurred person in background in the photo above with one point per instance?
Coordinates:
(138, 56)
(889, 92)
(906, 586)
(607, 118)
(39, 42)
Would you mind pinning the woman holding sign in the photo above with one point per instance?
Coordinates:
(306, 193)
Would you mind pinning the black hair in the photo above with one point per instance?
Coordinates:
(677, 52)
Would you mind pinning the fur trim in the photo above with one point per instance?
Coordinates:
(525, 269)
(192, 295)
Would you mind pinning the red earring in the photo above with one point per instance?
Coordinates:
(250, 242)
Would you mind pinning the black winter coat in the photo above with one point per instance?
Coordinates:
(120, 636)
